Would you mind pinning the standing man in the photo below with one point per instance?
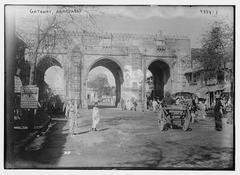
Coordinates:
(64, 106)
(95, 117)
(135, 104)
(154, 105)
(218, 114)
(72, 116)
(122, 104)
(187, 120)
(150, 105)
(193, 109)
(67, 108)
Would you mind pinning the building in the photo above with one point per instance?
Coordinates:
(208, 83)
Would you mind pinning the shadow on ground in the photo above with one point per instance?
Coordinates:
(36, 156)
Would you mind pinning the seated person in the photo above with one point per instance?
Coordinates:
(163, 118)
(168, 100)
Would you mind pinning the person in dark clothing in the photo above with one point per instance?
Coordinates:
(29, 116)
(168, 100)
(194, 106)
(218, 114)
(193, 109)
(135, 104)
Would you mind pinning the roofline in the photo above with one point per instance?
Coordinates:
(200, 70)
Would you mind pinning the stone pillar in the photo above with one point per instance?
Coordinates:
(84, 75)
(67, 74)
(143, 61)
(75, 75)
(170, 84)
(66, 81)
(118, 88)
(84, 94)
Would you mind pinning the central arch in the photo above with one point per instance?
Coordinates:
(115, 69)
(160, 75)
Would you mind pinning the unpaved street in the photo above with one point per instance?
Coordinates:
(129, 139)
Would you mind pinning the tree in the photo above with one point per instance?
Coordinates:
(217, 50)
(217, 46)
(100, 84)
(98, 81)
(52, 30)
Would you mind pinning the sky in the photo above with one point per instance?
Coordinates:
(185, 21)
(54, 77)
(171, 20)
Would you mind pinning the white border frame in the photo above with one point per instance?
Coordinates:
(123, 2)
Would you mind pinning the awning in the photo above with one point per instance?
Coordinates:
(221, 87)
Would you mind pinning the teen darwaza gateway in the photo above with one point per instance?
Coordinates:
(127, 56)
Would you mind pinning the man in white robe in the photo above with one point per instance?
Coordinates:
(95, 117)
(73, 111)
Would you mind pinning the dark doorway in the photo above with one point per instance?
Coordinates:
(160, 75)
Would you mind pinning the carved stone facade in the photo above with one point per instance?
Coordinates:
(127, 56)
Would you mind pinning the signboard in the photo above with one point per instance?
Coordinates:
(29, 96)
(17, 84)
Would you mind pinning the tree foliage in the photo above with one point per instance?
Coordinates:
(100, 84)
(98, 81)
(217, 46)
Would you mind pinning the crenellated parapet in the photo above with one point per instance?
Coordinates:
(88, 38)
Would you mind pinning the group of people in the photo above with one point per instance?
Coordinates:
(129, 104)
(195, 110)
(155, 103)
(220, 105)
(71, 111)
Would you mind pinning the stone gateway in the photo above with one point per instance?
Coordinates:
(127, 56)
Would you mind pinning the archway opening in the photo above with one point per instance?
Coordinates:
(157, 77)
(51, 83)
(101, 86)
(114, 76)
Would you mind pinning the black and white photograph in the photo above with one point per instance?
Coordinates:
(124, 87)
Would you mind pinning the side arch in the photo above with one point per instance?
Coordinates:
(161, 73)
(42, 66)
